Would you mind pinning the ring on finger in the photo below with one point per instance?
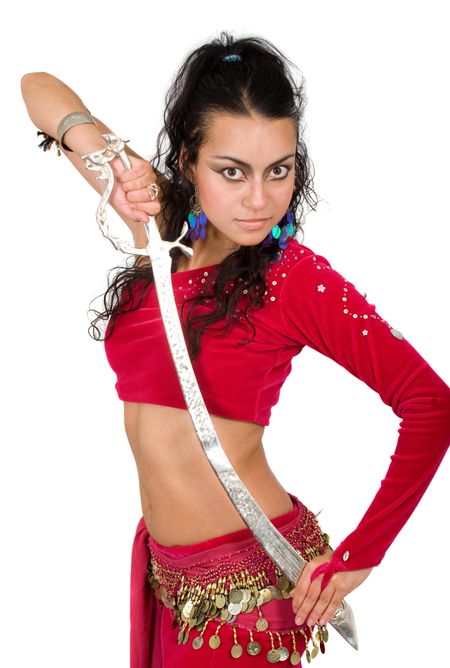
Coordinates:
(153, 190)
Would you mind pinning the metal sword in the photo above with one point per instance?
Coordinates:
(282, 553)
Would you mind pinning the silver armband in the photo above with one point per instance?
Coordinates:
(74, 118)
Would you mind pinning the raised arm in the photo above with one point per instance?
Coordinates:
(48, 100)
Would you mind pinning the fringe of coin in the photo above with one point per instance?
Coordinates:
(197, 604)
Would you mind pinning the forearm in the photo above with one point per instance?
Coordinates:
(48, 100)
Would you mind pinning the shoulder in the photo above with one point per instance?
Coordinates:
(297, 262)
(313, 287)
(302, 265)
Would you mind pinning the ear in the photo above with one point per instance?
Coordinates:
(190, 171)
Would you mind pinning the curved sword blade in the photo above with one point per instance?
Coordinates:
(271, 540)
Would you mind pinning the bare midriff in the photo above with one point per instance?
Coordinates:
(182, 500)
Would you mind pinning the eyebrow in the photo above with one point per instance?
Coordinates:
(244, 164)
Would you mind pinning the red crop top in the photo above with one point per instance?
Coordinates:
(307, 303)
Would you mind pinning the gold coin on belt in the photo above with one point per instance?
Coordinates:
(236, 651)
(246, 595)
(244, 606)
(295, 658)
(325, 633)
(220, 600)
(234, 608)
(253, 648)
(180, 636)
(251, 604)
(186, 636)
(224, 613)
(283, 583)
(214, 641)
(187, 608)
(205, 606)
(284, 653)
(197, 642)
(266, 594)
(314, 652)
(277, 594)
(235, 596)
(273, 655)
(262, 624)
(254, 591)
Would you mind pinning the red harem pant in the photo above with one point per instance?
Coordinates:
(162, 630)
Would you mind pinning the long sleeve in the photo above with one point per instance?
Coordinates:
(321, 309)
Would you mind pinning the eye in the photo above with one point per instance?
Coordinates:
(230, 169)
(236, 169)
(282, 167)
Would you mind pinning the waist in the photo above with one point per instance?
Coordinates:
(231, 580)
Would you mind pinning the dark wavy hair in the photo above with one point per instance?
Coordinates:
(259, 84)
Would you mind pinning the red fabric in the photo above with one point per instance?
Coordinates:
(139, 353)
(154, 639)
(305, 305)
(312, 312)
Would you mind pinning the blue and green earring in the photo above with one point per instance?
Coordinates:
(196, 218)
(281, 232)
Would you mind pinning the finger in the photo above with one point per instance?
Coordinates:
(321, 605)
(135, 179)
(142, 195)
(150, 208)
(307, 603)
(303, 586)
(333, 605)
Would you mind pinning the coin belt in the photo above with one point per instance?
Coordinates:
(220, 597)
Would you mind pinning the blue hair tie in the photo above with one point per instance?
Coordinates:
(231, 58)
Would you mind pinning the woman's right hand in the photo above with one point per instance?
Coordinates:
(129, 196)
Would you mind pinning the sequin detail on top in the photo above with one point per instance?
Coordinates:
(240, 371)
(346, 304)
(192, 282)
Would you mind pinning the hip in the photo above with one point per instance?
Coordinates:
(226, 593)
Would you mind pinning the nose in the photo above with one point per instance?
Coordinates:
(256, 196)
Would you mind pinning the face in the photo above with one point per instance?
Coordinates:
(245, 176)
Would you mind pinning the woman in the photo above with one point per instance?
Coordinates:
(250, 298)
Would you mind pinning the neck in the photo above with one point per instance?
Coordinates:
(206, 253)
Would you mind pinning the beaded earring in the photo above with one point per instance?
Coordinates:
(196, 218)
(281, 232)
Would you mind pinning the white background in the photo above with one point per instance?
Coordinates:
(377, 131)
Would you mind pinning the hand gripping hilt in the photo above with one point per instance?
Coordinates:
(98, 161)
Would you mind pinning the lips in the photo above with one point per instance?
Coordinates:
(253, 220)
(253, 224)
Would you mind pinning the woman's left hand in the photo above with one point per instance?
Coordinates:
(313, 606)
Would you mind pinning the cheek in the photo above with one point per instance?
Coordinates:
(215, 190)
